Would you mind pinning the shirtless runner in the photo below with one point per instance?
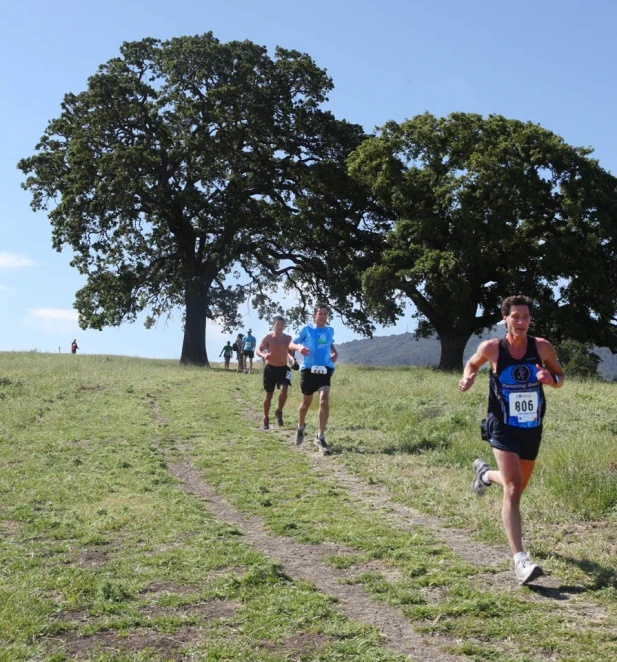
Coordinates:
(274, 350)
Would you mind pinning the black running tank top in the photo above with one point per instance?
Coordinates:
(516, 396)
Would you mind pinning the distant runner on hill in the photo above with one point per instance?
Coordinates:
(520, 366)
(227, 351)
(249, 343)
(237, 347)
(316, 344)
(74, 346)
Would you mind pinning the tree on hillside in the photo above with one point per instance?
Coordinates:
(482, 208)
(194, 174)
(578, 359)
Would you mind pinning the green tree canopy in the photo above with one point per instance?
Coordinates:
(578, 359)
(482, 208)
(188, 162)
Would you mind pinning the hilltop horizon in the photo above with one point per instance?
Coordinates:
(404, 350)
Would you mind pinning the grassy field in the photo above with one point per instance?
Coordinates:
(105, 556)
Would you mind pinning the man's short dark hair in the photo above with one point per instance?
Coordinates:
(516, 300)
(318, 306)
(278, 318)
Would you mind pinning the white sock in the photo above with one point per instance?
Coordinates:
(484, 478)
(519, 556)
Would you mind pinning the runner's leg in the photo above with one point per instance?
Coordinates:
(526, 469)
(510, 477)
(267, 402)
(282, 396)
(303, 409)
(324, 408)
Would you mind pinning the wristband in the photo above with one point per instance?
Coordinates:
(555, 377)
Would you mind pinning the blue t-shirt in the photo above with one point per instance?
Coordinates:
(319, 341)
(249, 343)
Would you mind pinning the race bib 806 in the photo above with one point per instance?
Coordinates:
(523, 406)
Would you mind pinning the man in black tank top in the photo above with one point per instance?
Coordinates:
(520, 366)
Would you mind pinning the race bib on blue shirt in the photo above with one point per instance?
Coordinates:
(522, 395)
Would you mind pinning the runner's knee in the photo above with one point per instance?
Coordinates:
(513, 489)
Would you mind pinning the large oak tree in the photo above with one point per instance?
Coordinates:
(482, 208)
(189, 162)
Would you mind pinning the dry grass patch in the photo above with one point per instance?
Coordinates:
(168, 646)
(9, 528)
(299, 646)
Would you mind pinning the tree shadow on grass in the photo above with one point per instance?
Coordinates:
(415, 447)
(601, 576)
(556, 593)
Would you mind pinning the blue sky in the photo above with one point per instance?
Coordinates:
(545, 61)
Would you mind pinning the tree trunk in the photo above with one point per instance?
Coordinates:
(452, 349)
(194, 344)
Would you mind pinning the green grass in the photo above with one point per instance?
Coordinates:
(92, 519)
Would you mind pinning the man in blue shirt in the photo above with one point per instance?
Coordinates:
(249, 343)
(316, 344)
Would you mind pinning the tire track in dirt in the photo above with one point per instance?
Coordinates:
(306, 562)
(403, 517)
(570, 599)
(301, 561)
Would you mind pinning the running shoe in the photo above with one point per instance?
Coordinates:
(299, 435)
(279, 418)
(480, 467)
(526, 571)
(266, 423)
(320, 442)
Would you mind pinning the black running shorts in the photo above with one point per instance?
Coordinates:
(276, 376)
(525, 442)
(309, 383)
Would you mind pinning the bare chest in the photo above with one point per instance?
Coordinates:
(281, 341)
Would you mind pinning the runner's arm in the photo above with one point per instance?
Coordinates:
(300, 348)
(297, 346)
(481, 356)
(333, 353)
(263, 350)
(552, 374)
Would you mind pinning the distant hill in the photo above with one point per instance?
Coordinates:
(403, 349)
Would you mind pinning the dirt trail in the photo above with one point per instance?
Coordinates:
(406, 518)
(475, 553)
(306, 562)
(302, 561)
(402, 517)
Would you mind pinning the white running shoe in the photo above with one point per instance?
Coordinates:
(526, 571)
(480, 467)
